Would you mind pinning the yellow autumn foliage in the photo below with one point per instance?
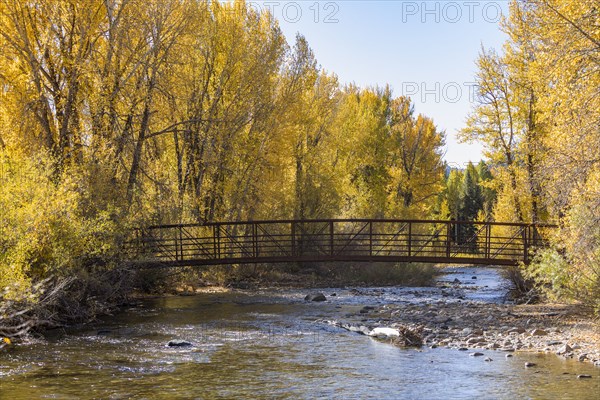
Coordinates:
(46, 229)
(538, 116)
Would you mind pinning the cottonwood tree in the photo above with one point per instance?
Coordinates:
(416, 150)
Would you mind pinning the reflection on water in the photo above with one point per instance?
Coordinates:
(270, 345)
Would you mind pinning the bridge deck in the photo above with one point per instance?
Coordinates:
(368, 240)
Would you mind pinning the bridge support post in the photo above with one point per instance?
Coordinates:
(176, 245)
(409, 238)
(488, 240)
(293, 237)
(254, 240)
(370, 238)
(216, 242)
(180, 246)
(332, 252)
(448, 236)
(526, 244)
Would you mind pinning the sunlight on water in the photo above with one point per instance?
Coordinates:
(271, 345)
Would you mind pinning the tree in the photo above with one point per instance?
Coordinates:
(471, 203)
(191, 110)
(487, 189)
(363, 131)
(416, 158)
(538, 114)
(493, 122)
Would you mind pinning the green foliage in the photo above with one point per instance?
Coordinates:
(471, 197)
(572, 269)
(487, 190)
(471, 203)
(468, 196)
(551, 271)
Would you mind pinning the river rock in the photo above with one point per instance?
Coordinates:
(530, 364)
(319, 297)
(508, 355)
(515, 330)
(365, 330)
(382, 332)
(362, 329)
(178, 343)
(315, 297)
(474, 340)
(476, 354)
(408, 337)
(564, 350)
(582, 357)
(538, 332)
(583, 376)
(488, 359)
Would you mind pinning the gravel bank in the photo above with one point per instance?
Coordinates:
(470, 325)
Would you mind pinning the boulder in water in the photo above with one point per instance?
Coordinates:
(179, 343)
(382, 332)
(315, 297)
(401, 337)
(564, 350)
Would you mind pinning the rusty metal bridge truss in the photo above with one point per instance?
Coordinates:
(356, 240)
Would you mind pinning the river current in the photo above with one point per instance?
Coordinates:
(273, 344)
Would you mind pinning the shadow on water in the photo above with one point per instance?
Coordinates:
(271, 345)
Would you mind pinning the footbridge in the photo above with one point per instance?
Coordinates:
(325, 240)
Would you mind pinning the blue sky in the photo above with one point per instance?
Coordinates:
(425, 49)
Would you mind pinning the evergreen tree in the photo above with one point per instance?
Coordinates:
(487, 191)
(471, 202)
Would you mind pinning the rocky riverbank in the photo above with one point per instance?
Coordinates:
(491, 330)
(467, 310)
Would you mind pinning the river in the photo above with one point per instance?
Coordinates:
(273, 344)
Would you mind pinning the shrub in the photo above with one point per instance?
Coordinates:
(51, 232)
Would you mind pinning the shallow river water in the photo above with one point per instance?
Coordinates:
(272, 344)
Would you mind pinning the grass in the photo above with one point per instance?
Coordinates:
(311, 275)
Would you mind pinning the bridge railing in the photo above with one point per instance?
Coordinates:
(338, 240)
